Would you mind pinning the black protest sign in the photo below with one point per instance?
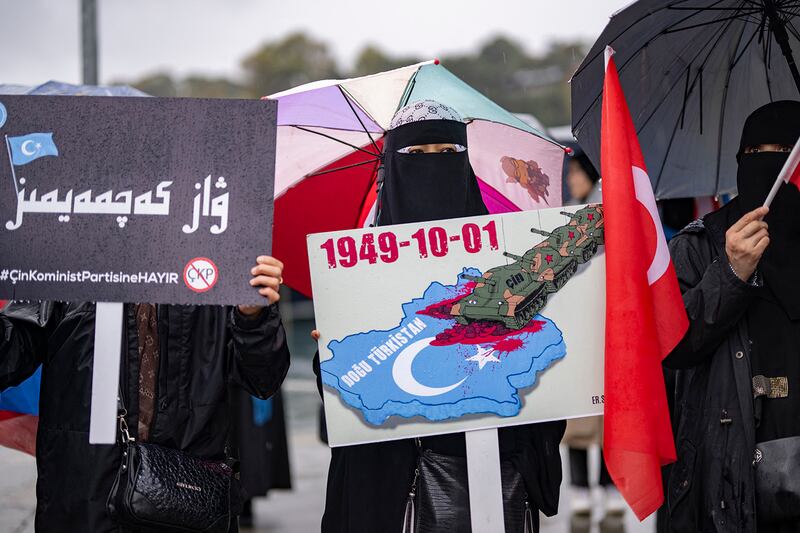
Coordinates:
(161, 200)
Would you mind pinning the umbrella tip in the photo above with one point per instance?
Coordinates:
(436, 61)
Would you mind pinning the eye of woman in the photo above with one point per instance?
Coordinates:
(447, 150)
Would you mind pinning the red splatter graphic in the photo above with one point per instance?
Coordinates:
(510, 345)
(488, 332)
(442, 309)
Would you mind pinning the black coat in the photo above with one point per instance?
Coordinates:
(711, 487)
(263, 450)
(201, 349)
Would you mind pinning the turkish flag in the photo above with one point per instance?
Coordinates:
(645, 317)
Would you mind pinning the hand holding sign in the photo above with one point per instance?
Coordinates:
(268, 276)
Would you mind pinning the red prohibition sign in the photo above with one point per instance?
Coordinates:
(200, 274)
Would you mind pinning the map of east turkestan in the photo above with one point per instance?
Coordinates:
(428, 365)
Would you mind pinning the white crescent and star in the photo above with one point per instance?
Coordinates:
(404, 377)
(644, 193)
(25, 150)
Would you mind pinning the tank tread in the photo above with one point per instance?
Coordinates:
(562, 277)
(528, 307)
(588, 251)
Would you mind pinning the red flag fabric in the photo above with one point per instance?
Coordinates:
(793, 166)
(645, 317)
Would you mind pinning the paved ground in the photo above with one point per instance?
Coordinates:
(296, 511)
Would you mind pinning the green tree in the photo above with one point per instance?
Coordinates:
(292, 61)
(522, 83)
(372, 60)
(159, 84)
(201, 87)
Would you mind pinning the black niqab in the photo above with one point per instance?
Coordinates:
(774, 123)
(424, 187)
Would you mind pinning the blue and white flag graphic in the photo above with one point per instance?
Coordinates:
(27, 148)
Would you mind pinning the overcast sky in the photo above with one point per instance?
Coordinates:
(40, 39)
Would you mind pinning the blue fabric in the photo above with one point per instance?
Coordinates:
(262, 411)
(24, 398)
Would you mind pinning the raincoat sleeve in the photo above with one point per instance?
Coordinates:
(23, 346)
(714, 297)
(260, 355)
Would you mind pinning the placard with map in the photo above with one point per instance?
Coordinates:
(460, 324)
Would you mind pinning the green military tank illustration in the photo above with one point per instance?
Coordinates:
(590, 221)
(508, 293)
(514, 293)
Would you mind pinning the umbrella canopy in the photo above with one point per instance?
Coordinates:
(692, 70)
(329, 148)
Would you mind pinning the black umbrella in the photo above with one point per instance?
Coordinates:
(692, 70)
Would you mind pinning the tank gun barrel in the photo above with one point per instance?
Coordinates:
(541, 232)
(477, 279)
(570, 215)
(513, 256)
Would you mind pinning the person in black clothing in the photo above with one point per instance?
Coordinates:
(177, 365)
(738, 366)
(428, 177)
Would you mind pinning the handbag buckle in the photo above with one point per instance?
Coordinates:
(123, 428)
(758, 455)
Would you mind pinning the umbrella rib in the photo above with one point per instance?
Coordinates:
(337, 169)
(744, 49)
(696, 8)
(680, 119)
(349, 103)
(721, 128)
(366, 193)
(622, 67)
(331, 137)
(586, 62)
(793, 30)
(702, 65)
(696, 12)
(715, 21)
(767, 47)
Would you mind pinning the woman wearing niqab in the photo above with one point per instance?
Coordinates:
(427, 176)
(737, 402)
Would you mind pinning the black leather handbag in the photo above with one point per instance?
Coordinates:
(439, 496)
(777, 473)
(169, 490)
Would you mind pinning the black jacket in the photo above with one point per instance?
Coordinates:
(711, 487)
(201, 349)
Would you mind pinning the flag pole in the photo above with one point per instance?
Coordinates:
(11, 164)
(783, 175)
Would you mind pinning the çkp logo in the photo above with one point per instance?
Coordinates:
(200, 274)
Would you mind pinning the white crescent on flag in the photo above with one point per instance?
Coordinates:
(404, 377)
(644, 193)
